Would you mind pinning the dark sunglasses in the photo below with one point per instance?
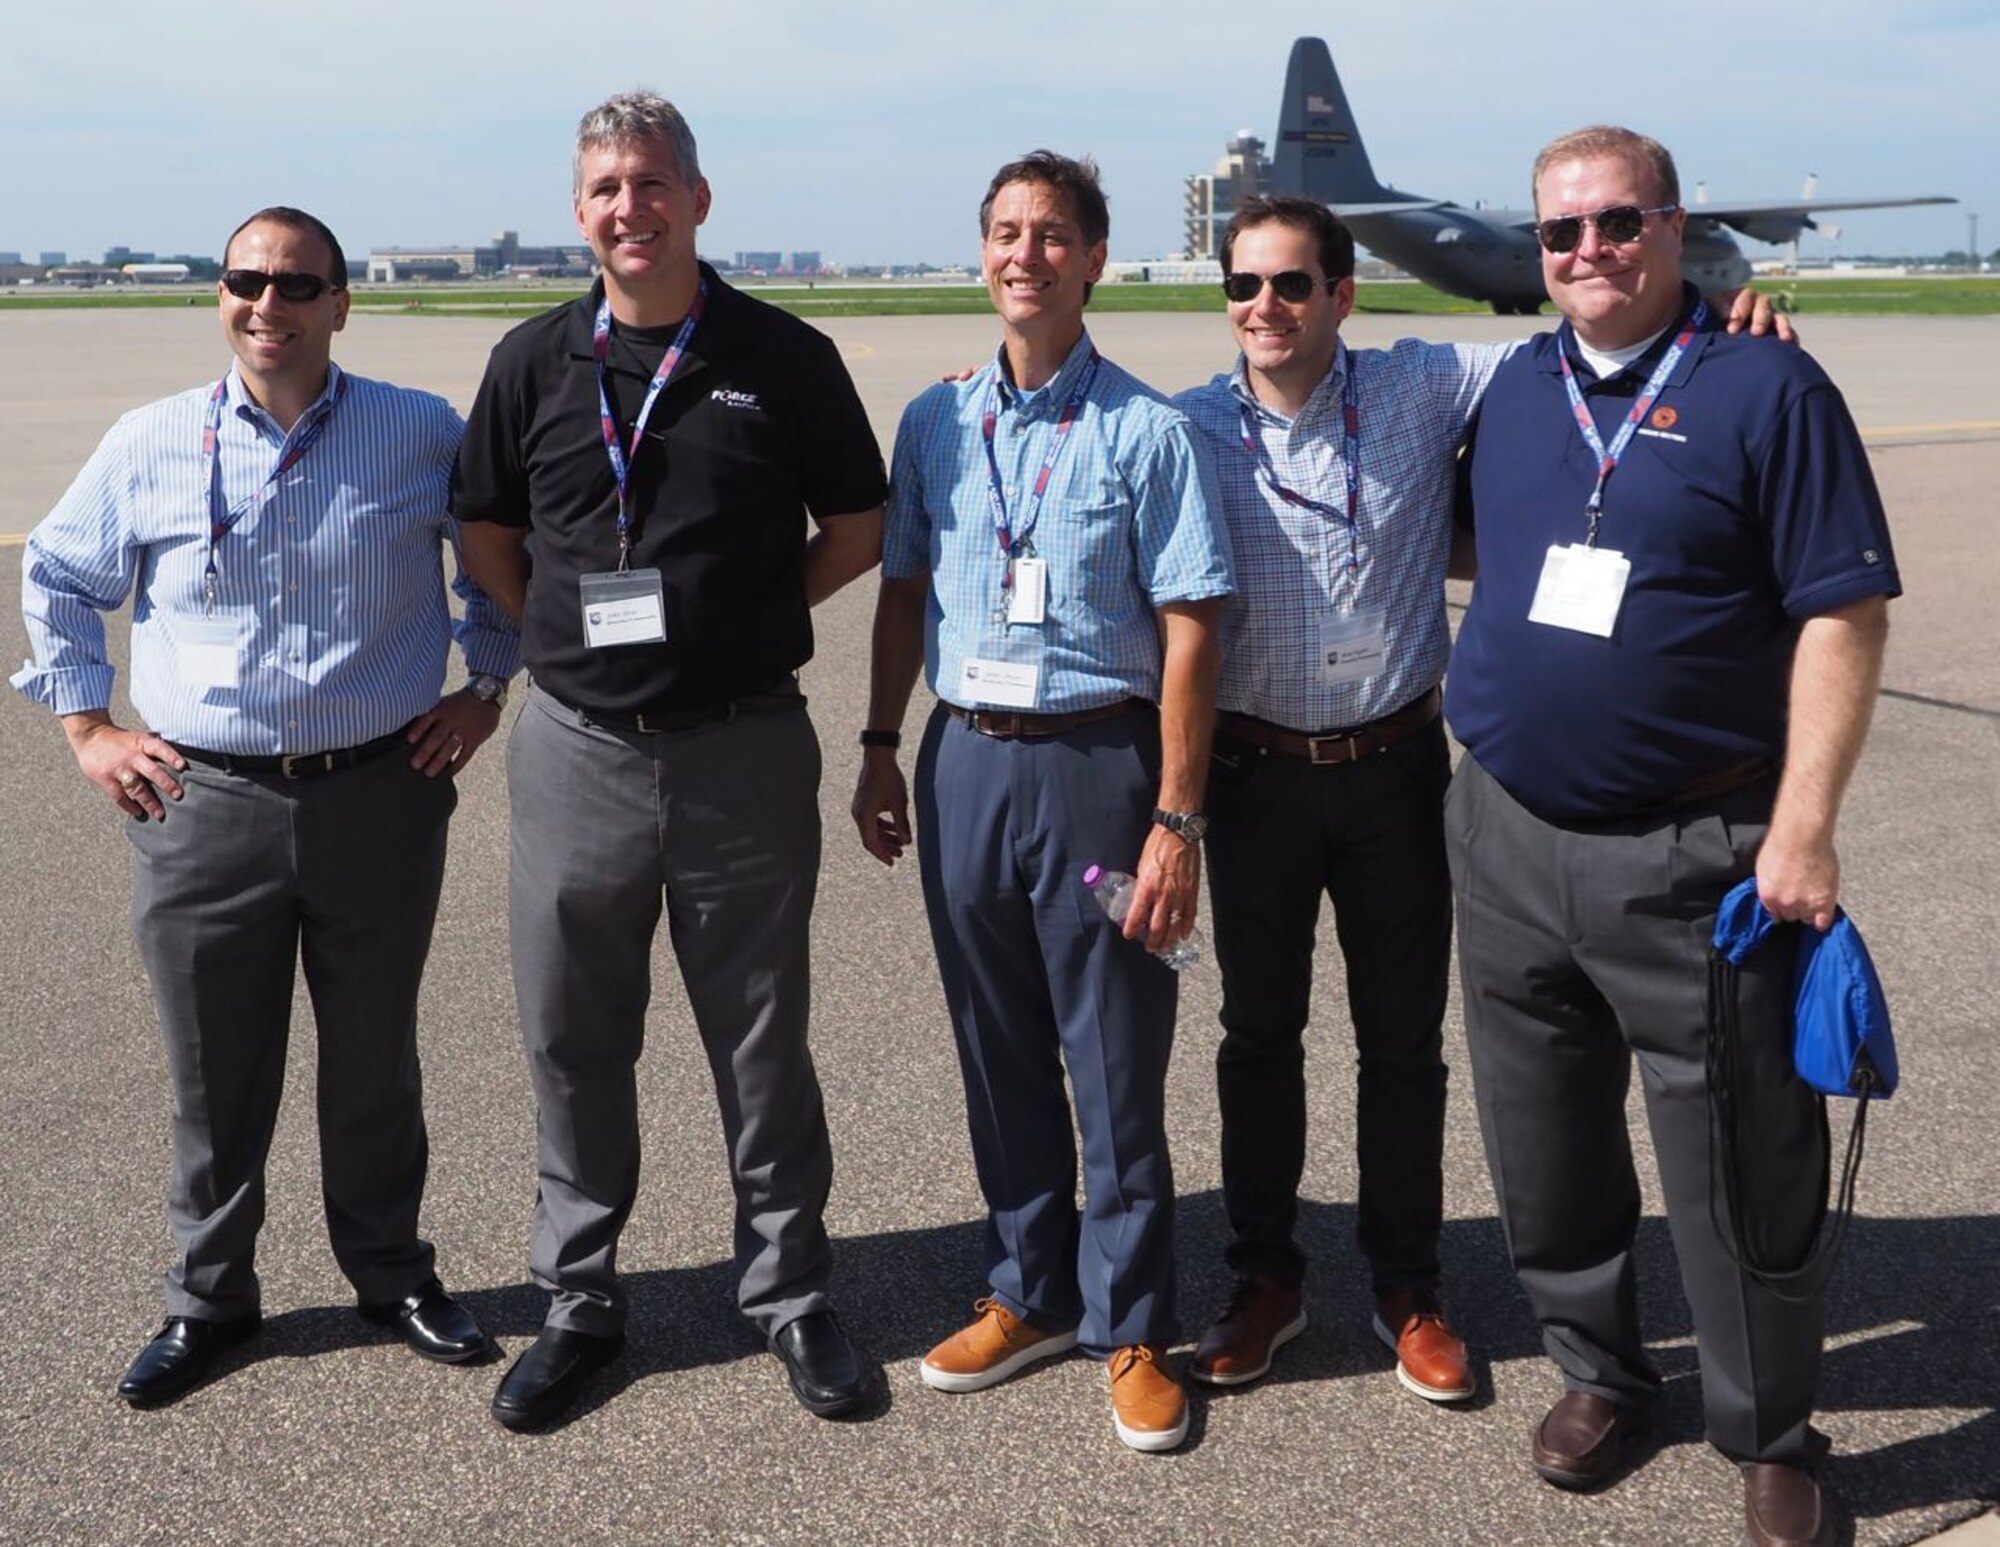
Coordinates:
(248, 284)
(1619, 223)
(1294, 285)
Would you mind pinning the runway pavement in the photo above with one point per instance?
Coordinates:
(323, 1430)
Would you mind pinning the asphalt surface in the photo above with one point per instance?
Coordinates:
(324, 1429)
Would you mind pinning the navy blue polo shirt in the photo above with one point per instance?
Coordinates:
(1745, 505)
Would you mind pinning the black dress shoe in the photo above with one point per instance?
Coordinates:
(433, 1324)
(1577, 1444)
(181, 1353)
(826, 1377)
(546, 1379)
(1782, 1506)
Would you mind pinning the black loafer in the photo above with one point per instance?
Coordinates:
(826, 1376)
(181, 1354)
(433, 1324)
(545, 1380)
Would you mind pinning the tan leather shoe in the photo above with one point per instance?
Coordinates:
(993, 1347)
(1261, 1317)
(1782, 1506)
(1430, 1358)
(1148, 1407)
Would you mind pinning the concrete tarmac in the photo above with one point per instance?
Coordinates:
(323, 1429)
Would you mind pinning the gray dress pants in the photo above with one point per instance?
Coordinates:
(248, 876)
(721, 824)
(1579, 951)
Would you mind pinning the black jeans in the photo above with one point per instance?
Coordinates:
(1369, 836)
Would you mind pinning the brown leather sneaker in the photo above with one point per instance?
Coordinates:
(1430, 1358)
(1782, 1506)
(1148, 1407)
(1577, 1444)
(1262, 1316)
(993, 1347)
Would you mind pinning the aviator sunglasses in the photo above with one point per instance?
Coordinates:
(248, 284)
(1618, 223)
(1293, 285)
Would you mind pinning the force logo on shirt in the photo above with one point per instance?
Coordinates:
(729, 398)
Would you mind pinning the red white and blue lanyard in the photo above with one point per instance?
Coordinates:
(1607, 458)
(1013, 543)
(221, 517)
(621, 456)
(1350, 418)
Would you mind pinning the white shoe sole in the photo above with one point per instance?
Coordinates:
(1411, 1383)
(1284, 1335)
(979, 1380)
(1153, 1440)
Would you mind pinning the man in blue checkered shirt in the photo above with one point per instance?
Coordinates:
(1055, 559)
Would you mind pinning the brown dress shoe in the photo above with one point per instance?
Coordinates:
(1261, 1317)
(1430, 1358)
(1782, 1506)
(992, 1347)
(1576, 1446)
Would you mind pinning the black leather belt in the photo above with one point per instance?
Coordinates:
(1005, 725)
(295, 765)
(1330, 747)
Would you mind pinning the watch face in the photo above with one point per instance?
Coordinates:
(1193, 827)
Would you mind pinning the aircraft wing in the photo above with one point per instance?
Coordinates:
(1781, 220)
(1399, 207)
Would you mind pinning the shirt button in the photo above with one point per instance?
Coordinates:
(295, 657)
(291, 725)
(293, 588)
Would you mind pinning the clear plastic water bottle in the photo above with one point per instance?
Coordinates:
(1113, 890)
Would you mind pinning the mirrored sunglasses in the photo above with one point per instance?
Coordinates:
(1617, 223)
(1293, 285)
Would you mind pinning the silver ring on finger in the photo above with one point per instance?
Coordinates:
(128, 781)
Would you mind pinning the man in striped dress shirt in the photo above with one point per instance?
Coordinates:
(290, 782)
(1055, 562)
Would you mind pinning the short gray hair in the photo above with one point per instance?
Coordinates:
(631, 117)
(1641, 152)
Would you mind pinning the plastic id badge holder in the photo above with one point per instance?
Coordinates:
(623, 607)
(208, 652)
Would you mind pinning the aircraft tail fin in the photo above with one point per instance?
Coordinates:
(1319, 153)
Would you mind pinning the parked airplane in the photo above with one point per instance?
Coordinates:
(1483, 254)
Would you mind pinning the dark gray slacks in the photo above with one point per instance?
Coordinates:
(1039, 982)
(1578, 951)
(721, 821)
(248, 876)
(1369, 836)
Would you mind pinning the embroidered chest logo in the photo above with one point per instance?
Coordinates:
(729, 398)
(1663, 418)
(1660, 426)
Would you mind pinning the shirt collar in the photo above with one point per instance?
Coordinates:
(1324, 396)
(1055, 390)
(236, 397)
(709, 341)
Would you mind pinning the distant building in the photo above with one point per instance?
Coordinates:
(9, 258)
(1243, 172)
(118, 257)
(52, 260)
(804, 264)
(760, 262)
(155, 273)
(391, 265)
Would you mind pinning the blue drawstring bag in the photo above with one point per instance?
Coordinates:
(1841, 1046)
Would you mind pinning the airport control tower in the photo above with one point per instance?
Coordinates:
(1242, 172)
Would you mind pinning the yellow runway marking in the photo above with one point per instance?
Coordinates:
(9, 539)
(1961, 427)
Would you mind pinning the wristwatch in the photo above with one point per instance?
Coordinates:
(1188, 826)
(487, 689)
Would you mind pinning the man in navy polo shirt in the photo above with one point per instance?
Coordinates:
(1663, 684)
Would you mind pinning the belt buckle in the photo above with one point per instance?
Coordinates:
(639, 723)
(1332, 744)
(290, 765)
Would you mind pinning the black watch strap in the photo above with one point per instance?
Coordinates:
(889, 739)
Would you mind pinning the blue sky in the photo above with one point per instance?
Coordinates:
(867, 130)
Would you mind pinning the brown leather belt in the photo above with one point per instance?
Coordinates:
(1004, 725)
(1331, 747)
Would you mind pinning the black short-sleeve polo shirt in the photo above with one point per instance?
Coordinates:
(759, 427)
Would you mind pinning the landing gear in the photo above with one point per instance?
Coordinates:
(1516, 308)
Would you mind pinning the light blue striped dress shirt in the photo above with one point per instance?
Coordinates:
(334, 581)
(1414, 400)
(1130, 521)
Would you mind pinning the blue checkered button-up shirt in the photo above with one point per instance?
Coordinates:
(1131, 520)
(1292, 565)
(335, 582)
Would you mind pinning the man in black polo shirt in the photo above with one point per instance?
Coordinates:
(634, 484)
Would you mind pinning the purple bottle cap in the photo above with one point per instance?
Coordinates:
(1090, 876)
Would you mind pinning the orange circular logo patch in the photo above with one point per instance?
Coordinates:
(1664, 418)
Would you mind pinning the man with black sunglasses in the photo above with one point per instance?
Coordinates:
(1663, 684)
(290, 788)
(1329, 774)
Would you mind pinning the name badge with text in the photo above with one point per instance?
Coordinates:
(1004, 684)
(1352, 645)
(1581, 588)
(624, 607)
